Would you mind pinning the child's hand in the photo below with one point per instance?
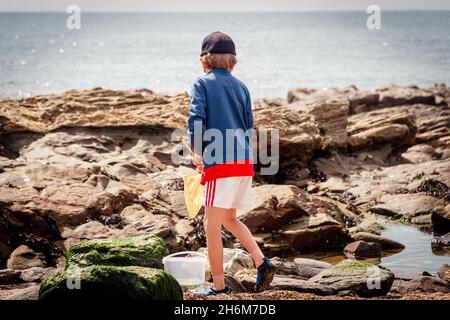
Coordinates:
(197, 160)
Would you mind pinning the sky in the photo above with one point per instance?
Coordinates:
(220, 5)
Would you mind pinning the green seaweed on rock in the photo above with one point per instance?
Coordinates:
(146, 251)
(353, 265)
(137, 283)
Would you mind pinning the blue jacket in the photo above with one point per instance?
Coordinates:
(220, 101)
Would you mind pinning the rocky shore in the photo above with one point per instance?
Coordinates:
(95, 165)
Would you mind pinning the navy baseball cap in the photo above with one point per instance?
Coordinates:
(218, 42)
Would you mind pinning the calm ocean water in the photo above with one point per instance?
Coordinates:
(277, 51)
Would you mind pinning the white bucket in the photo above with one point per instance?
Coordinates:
(187, 267)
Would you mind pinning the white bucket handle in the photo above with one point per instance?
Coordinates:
(184, 252)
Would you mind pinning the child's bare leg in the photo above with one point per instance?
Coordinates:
(243, 234)
(213, 225)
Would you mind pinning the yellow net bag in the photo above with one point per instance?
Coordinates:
(193, 194)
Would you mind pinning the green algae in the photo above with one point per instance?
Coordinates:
(136, 283)
(146, 251)
(353, 265)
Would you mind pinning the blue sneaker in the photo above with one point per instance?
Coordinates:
(266, 272)
(211, 291)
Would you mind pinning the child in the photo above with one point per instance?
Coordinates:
(220, 103)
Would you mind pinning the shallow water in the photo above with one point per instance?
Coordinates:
(418, 255)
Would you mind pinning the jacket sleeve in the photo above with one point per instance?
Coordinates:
(248, 110)
(197, 115)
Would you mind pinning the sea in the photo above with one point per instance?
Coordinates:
(40, 54)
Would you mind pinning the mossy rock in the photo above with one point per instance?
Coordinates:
(134, 283)
(353, 265)
(361, 277)
(145, 251)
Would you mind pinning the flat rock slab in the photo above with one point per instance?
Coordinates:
(28, 293)
(309, 268)
(386, 243)
(9, 276)
(36, 274)
(363, 278)
(425, 284)
(409, 205)
(291, 283)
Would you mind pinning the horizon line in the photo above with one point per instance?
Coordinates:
(218, 11)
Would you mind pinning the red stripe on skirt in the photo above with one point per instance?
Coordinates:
(210, 193)
(213, 192)
(206, 194)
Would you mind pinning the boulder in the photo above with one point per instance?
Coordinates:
(36, 274)
(284, 266)
(423, 220)
(444, 273)
(23, 258)
(300, 267)
(309, 268)
(9, 276)
(425, 284)
(291, 283)
(409, 205)
(137, 214)
(369, 130)
(420, 153)
(273, 206)
(299, 136)
(363, 101)
(308, 233)
(233, 261)
(331, 114)
(363, 278)
(362, 249)
(146, 251)
(393, 95)
(30, 292)
(440, 219)
(386, 244)
(94, 282)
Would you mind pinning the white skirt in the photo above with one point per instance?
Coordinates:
(227, 193)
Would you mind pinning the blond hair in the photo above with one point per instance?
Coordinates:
(225, 61)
